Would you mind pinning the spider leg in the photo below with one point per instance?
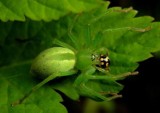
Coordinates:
(49, 78)
(84, 90)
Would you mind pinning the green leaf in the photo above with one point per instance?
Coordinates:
(15, 81)
(20, 41)
(128, 39)
(67, 88)
(42, 9)
(104, 87)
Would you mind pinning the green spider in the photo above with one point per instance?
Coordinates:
(65, 60)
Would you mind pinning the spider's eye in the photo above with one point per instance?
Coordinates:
(94, 57)
(101, 61)
(104, 62)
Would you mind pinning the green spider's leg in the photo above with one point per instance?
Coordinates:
(70, 34)
(97, 40)
(63, 44)
(73, 38)
(109, 77)
(49, 78)
(102, 70)
(87, 36)
(80, 85)
(113, 77)
(130, 29)
(137, 29)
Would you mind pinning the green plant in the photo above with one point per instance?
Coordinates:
(128, 40)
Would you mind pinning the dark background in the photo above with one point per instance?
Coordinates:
(141, 93)
(144, 7)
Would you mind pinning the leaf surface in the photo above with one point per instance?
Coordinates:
(15, 82)
(46, 10)
(128, 39)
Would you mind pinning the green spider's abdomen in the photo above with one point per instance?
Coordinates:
(56, 59)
